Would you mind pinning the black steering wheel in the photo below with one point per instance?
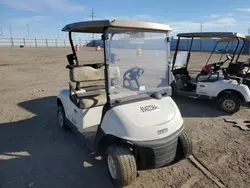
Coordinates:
(217, 66)
(229, 57)
(130, 75)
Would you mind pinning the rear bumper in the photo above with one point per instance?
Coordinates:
(157, 153)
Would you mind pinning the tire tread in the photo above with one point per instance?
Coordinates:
(126, 162)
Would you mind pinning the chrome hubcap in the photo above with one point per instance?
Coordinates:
(111, 167)
(229, 104)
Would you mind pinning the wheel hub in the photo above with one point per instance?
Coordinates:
(111, 167)
(229, 104)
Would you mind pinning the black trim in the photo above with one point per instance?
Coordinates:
(136, 98)
(176, 51)
(100, 134)
(106, 107)
(73, 97)
(106, 69)
(238, 43)
(75, 57)
(212, 52)
(156, 153)
(72, 47)
(189, 52)
(243, 45)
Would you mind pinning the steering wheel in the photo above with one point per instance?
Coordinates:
(130, 75)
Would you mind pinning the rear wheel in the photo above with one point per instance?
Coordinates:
(61, 119)
(230, 103)
(121, 165)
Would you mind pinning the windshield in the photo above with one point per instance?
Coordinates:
(224, 49)
(138, 63)
(220, 50)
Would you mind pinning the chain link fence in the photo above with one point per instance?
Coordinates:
(23, 42)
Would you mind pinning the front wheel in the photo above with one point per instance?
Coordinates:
(121, 165)
(184, 147)
(230, 103)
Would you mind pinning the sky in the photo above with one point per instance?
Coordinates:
(46, 18)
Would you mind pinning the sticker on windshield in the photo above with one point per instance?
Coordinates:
(149, 108)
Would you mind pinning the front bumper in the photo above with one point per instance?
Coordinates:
(157, 153)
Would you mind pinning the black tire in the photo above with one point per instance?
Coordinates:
(230, 103)
(61, 119)
(125, 165)
(184, 147)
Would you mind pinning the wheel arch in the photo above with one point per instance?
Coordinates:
(231, 91)
(59, 101)
(108, 140)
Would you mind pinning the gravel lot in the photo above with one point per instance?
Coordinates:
(34, 152)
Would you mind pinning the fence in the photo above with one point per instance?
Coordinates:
(17, 42)
(205, 45)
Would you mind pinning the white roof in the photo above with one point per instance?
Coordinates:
(97, 26)
(211, 35)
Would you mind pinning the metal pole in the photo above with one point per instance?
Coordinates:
(10, 32)
(36, 43)
(169, 63)
(28, 31)
(92, 15)
(1, 32)
(24, 44)
(11, 39)
(248, 31)
(12, 42)
(201, 39)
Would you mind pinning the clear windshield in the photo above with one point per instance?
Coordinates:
(224, 51)
(181, 59)
(221, 50)
(138, 63)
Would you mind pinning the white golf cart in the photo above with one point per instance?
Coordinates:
(127, 119)
(212, 82)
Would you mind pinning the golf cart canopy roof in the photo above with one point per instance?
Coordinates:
(211, 35)
(98, 26)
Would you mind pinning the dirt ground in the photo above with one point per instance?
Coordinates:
(34, 152)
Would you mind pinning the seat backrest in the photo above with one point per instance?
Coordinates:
(89, 74)
(86, 74)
